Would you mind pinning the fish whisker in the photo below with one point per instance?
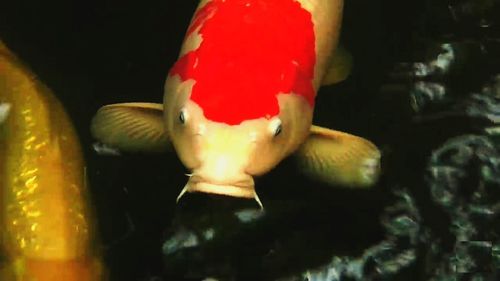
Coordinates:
(256, 197)
(184, 190)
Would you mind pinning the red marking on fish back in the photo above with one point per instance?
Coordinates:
(251, 50)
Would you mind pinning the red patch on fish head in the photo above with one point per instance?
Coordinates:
(251, 50)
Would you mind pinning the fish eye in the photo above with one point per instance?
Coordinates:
(276, 127)
(277, 131)
(183, 116)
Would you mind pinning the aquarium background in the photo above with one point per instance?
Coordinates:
(425, 88)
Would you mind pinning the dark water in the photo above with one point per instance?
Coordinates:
(92, 53)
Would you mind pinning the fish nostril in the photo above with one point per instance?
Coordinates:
(253, 137)
(201, 130)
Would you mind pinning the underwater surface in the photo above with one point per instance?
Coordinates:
(425, 89)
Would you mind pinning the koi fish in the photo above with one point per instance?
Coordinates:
(46, 232)
(240, 99)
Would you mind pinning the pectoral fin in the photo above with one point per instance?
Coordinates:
(340, 67)
(339, 158)
(132, 127)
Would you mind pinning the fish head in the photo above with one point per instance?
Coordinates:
(223, 159)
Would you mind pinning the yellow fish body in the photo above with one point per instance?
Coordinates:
(45, 228)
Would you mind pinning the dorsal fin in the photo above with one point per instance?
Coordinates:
(340, 67)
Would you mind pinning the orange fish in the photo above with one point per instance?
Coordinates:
(241, 97)
(46, 230)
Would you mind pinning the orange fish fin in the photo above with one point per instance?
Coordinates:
(131, 127)
(340, 66)
(339, 158)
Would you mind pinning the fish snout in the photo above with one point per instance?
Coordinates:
(235, 185)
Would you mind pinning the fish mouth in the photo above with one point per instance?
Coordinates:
(222, 189)
(242, 188)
